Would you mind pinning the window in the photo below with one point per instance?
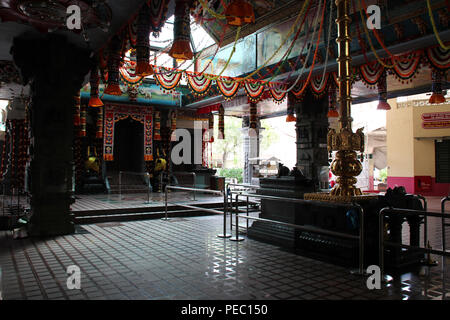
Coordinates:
(442, 161)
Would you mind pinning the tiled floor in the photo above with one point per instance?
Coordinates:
(116, 201)
(183, 259)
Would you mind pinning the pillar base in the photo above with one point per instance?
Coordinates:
(328, 197)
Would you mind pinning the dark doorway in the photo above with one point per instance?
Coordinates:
(128, 146)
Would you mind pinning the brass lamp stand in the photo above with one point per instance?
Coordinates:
(346, 165)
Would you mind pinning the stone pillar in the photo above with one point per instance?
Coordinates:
(251, 143)
(55, 70)
(311, 128)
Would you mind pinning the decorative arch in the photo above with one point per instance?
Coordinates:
(115, 113)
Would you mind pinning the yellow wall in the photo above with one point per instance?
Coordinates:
(399, 140)
(424, 149)
(408, 156)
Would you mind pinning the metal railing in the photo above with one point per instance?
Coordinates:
(425, 219)
(312, 229)
(382, 242)
(225, 206)
(443, 201)
(194, 178)
(239, 185)
(149, 186)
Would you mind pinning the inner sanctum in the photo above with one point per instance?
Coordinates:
(225, 149)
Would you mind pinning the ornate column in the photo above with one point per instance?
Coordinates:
(55, 71)
(311, 128)
(345, 166)
(251, 141)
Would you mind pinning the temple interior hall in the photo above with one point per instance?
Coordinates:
(224, 150)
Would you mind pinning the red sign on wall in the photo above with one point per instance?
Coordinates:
(422, 183)
(436, 120)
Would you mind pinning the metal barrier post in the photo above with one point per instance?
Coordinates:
(381, 241)
(165, 204)
(425, 220)
(148, 189)
(237, 238)
(247, 216)
(225, 209)
(447, 198)
(194, 176)
(120, 185)
(361, 270)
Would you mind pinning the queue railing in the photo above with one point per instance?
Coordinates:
(382, 242)
(359, 237)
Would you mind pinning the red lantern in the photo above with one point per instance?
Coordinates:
(290, 109)
(94, 100)
(143, 67)
(436, 87)
(382, 93)
(211, 127)
(239, 12)
(115, 48)
(332, 112)
(221, 123)
(181, 47)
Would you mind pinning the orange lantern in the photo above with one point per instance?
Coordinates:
(181, 47)
(239, 12)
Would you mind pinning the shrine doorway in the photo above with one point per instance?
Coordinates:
(128, 146)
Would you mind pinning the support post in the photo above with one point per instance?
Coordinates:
(55, 70)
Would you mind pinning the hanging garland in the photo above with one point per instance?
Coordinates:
(157, 132)
(108, 134)
(83, 121)
(300, 92)
(407, 67)
(438, 58)
(221, 123)
(228, 88)
(371, 73)
(128, 75)
(158, 11)
(277, 91)
(169, 80)
(99, 133)
(433, 24)
(254, 90)
(211, 127)
(199, 84)
(148, 136)
(319, 84)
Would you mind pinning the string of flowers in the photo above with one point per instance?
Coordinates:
(433, 24)
(291, 31)
(285, 57)
(363, 22)
(298, 93)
